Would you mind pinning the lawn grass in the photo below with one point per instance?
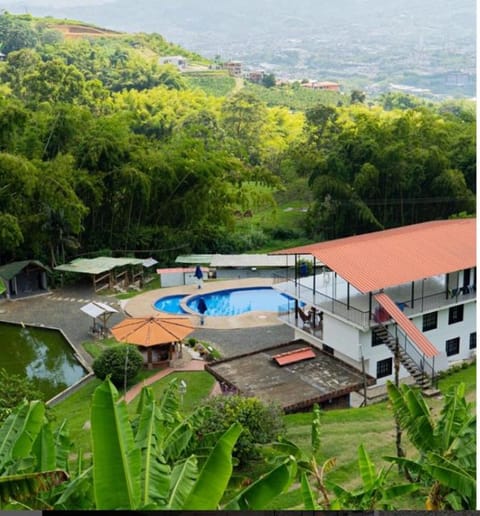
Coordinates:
(76, 407)
(199, 386)
(95, 347)
(76, 410)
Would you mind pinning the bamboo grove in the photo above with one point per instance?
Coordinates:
(102, 148)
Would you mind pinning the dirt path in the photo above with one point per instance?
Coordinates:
(239, 84)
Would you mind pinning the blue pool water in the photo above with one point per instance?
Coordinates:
(230, 302)
(170, 304)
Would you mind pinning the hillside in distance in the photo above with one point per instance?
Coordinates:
(371, 44)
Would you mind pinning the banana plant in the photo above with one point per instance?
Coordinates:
(446, 446)
(28, 456)
(147, 467)
(376, 492)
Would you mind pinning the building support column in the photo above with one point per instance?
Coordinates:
(314, 278)
(412, 302)
(348, 295)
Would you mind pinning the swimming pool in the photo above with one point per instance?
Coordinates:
(170, 304)
(230, 302)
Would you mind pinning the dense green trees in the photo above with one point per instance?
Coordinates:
(372, 169)
(101, 147)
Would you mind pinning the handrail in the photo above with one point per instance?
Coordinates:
(425, 364)
(324, 301)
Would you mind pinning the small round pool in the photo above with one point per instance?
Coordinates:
(170, 304)
(229, 302)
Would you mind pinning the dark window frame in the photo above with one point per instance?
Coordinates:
(452, 346)
(455, 314)
(473, 340)
(384, 367)
(430, 321)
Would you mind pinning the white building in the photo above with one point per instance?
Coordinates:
(179, 61)
(414, 285)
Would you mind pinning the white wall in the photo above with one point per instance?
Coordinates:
(341, 336)
(445, 331)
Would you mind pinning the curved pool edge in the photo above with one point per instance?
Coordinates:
(142, 305)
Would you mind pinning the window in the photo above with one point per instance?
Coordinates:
(384, 368)
(452, 346)
(430, 321)
(455, 314)
(376, 340)
(473, 340)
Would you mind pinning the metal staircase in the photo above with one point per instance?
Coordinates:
(421, 378)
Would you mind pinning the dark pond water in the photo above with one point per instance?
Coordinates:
(42, 355)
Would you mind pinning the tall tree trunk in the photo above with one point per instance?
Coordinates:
(398, 431)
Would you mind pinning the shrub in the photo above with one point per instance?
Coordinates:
(191, 342)
(13, 390)
(262, 423)
(112, 362)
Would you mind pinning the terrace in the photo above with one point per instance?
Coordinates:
(330, 293)
(321, 378)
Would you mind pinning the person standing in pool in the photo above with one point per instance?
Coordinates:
(202, 308)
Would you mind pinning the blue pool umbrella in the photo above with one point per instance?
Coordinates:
(198, 272)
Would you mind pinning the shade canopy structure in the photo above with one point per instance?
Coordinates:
(100, 311)
(150, 332)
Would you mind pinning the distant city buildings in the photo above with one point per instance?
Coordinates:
(321, 85)
(234, 68)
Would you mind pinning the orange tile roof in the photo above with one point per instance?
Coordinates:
(382, 259)
(413, 333)
(291, 357)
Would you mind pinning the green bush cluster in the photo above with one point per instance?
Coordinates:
(115, 362)
(262, 423)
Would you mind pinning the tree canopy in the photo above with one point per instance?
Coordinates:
(101, 147)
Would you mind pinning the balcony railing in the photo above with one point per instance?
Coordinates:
(362, 318)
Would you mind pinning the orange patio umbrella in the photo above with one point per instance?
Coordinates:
(152, 331)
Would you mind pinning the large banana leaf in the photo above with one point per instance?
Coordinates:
(215, 474)
(257, 495)
(78, 493)
(155, 473)
(307, 494)
(27, 485)
(116, 458)
(184, 476)
(63, 445)
(366, 468)
(44, 449)
(414, 415)
(452, 475)
(177, 441)
(19, 431)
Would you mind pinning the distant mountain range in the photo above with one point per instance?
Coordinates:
(373, 44)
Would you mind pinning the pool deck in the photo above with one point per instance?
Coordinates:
(142, 305)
